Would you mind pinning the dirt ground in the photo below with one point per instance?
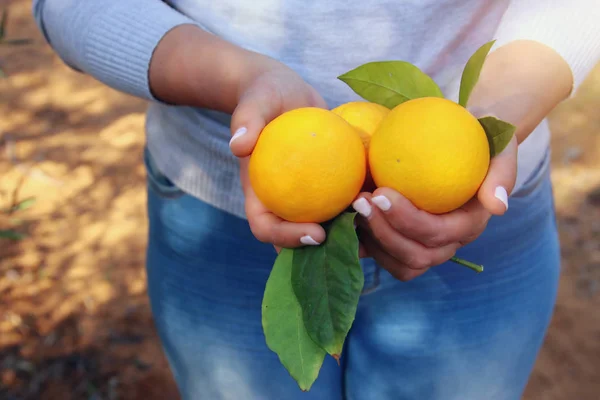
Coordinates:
(74, 319)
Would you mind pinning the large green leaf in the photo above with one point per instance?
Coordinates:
(3, 20)
(471, 72)
(12, 235)
(499, 133)
(390, 83)
(23, 205)
(327, 281)
(283, 325)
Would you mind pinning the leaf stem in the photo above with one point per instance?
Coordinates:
(475, 267)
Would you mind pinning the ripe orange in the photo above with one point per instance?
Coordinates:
(365, 117)
(308, 165)
(431, 150)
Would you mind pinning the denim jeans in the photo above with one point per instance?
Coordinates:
(450, 334)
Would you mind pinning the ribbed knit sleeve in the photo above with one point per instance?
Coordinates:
(570, 27)
(111, 40)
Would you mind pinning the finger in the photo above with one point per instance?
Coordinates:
(362, 251)
(500, 180)
(475, 211)
(263, 102)
(363, 205)
(316, 100)
(389, 263)
(428, 229)
(256, 108)
(411, 253)
(269, 228)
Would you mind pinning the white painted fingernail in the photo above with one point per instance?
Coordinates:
(309, 241)
(239, 133)
(382, 202)
(362, 206)
(502, 195)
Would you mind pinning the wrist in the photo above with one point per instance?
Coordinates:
(536, 65)
(521, 82)
(195, 68)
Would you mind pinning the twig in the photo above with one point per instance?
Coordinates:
(29, 171)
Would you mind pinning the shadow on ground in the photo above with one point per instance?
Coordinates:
(74, 319)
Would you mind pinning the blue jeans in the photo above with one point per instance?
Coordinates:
(450, 334)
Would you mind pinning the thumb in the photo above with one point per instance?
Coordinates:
(260, 105)
(500, 180)
(256, 108)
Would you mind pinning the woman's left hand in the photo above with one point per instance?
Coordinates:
(522, 94)
(407, 241)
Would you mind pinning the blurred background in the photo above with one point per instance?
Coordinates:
(74, 319)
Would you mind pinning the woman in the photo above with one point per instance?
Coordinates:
(425, 328)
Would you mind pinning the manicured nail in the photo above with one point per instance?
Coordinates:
(382, 202)
(362, 206)
(239, 133)
(501, 195)
(309, 241)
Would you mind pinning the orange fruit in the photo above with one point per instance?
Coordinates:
(432, 151)
(308, 165)
(365, 117)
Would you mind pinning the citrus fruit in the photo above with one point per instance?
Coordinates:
(432, 151)
(365, 117)
(308, 165)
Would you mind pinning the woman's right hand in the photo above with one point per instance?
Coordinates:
(269, 94)
(193, 67)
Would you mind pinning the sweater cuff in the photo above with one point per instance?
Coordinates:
(569, 27)
(121, 41)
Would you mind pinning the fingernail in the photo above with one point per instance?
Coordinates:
(362, 206)
(309, 241)
(382, 202)
(239, 133)
(502, 195)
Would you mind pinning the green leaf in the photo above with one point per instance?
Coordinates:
(471, 72)
(328, 280)
(17, 41)
(12, 235)
(390, 83)
(499, 133)
(23, 205)
(3, 20)
(283, 325)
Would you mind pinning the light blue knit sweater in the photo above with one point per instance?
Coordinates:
(113, 41)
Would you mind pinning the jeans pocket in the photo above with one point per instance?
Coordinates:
(157, 181)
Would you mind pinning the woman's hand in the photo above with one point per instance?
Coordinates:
(522, 93)
(192, 67)
(269, 94)
(407, 241)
